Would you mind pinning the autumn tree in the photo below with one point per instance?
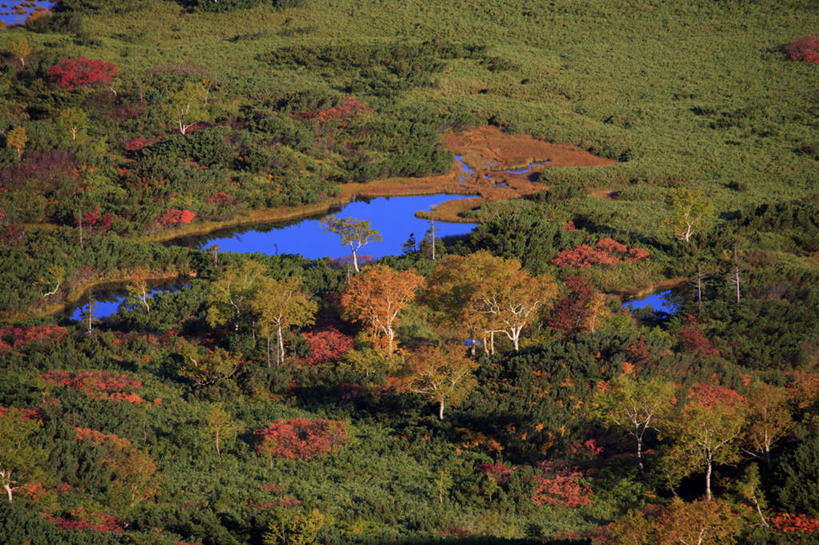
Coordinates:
(280, 305)
(707, 431)
(441, 373)
(354, 233)
(376, 297)
(231, 295)
(769, 417)
(698, 523)
(17, 139)
(485, 295)
(72, 122)
(635, 405)
(688, 210)
(580, 307)
(20, 49)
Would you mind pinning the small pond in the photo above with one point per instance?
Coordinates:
(666, 302)
(16, 12)
(109, 301)
(393, 217)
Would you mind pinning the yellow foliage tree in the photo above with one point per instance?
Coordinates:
(17, 139)
(280, 305)
(441, 373)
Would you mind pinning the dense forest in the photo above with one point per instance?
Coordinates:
(486, 388)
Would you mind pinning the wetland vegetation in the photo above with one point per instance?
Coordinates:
(590, 152)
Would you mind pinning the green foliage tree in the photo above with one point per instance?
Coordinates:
(221, 427)
(440, 373)
(232, 293)
(204, 367)
(354, 233)
(73, 122)
(688, 210)
(635, 405)
(188, 106)
(19, 458)
(279, 305)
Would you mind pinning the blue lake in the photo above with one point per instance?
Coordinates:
(9, 16)
(393, 217)
(662, 301)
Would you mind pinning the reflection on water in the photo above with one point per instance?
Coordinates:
(662, 301)
(108, 303)
(16, 12)
(393, 217)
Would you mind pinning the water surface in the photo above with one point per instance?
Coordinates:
(659, 301)
(393, 217)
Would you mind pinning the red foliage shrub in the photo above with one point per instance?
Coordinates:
(586, 450)
(611, 246)
(96, 223)
(28, 414)
(2, 216)
(712, 395)
(300, 438)
(220, 198)
(804, 49)
(350, 108)
(140, 142)
(99, 384)
(607, 252)
(570, 226)
(82, 72)
(638, 352)
(500, 471)
(326, 345)
(12, 235)
(15, 338)
(80, 519)
(637, 254)
(694, 340)
(795, 524)
(175, 216)
(560, 485)
(97, 438)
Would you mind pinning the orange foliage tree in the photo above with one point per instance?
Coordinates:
(376, 297)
